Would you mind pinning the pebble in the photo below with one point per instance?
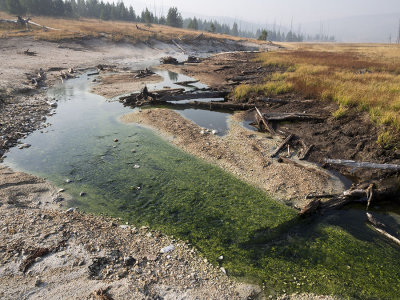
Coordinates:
(116, 140)
(133, 151)
(82, 194)
(167, 249)
(70, 210)
(23, 146)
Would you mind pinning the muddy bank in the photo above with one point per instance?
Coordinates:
(114, 85)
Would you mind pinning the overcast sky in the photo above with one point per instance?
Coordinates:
(268, 11)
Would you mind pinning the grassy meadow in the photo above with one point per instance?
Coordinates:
(363, 77)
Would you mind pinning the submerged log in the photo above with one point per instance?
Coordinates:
(367, 165)
(378, 227)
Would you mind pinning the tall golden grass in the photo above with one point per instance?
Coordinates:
(360, 77)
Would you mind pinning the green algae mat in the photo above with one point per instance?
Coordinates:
(129, 172)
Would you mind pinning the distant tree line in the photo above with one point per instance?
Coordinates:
(118, 11)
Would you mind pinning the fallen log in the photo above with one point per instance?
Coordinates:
(285, 141)
(221, 105)
(186, 83)
(377, 226)
(307, 150)
(367, 165)
(195, 95)
(177, 45)
(93, 74)
(30, 53)
(266, 124)
(281, 117)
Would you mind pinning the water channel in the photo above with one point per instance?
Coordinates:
(144, 180)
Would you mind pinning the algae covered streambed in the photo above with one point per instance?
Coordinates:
(146, 181)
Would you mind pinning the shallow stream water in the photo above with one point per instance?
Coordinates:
(146, 181)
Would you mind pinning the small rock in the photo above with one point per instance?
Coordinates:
(129, 261)
(124, 226)
(133, 151)
(115, 140)
(23, 146)
(38, 282)
(214, 132)
(61, 190)
(223, 270)
(82, 194)
(167, 249)
(221, 257)
(70, 210)
(136, 166)
(68, 180)
(53, 104)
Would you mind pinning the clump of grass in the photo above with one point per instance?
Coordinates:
(272, 88)
(340, 112)
(387, 140)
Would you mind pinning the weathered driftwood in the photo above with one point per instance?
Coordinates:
(263, 121)
(220, 105)
(177, 45)
(194, 95)
(283, 144)
(367, 165)
(93, 74)
(378, 227)
(299, 165)
(186, 83)
(305, 152)
(280, 117)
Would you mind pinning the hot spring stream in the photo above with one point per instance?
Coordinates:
(146, 181)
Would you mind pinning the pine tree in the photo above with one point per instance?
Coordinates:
(235, 30)
(174, 18)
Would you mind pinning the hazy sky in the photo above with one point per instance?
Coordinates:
(268, 11)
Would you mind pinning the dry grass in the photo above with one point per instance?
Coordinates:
(361, 77)
(93, 28)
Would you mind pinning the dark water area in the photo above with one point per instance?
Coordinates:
(144, 180)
